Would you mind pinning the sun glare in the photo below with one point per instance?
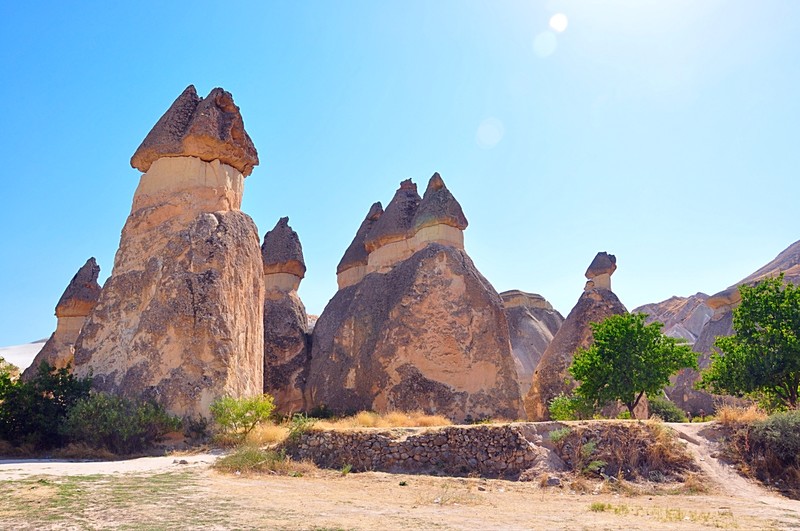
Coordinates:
(559, 22)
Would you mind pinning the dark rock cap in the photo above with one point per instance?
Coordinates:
(82, 292)
(397, 221)
(210, 129)
(438, 206)
(357, 254)
(603, 263)
(281, 250)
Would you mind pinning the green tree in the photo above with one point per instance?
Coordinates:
(762, 357)
(628, 359)
(238, 416)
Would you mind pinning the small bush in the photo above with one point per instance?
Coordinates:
(299, 425)
(666, 410)
(569, 407)
(250, 459)
(33, 412)
(778, 438)
(119, 425)
(238, 416)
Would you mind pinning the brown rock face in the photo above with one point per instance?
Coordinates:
(551, 377)
(438, 206)
(180, 320)
(532, 324)
(209, 129)
(286, 341)
(397, 221)
(430, 334)
(356, 254)
(74, 305)
(682, 317)
(282, 252)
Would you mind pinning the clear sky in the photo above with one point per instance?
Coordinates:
(665, 132)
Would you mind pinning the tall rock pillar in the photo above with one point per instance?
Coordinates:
(180, 320)
(285, 321)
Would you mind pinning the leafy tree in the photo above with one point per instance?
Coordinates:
(762, 357)
(627, 360)
(33, 412)
(238, 416)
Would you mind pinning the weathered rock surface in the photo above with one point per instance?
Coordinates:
(353, 265)
(682, 392)
(430, 334)
(286, 340)
(600, 270)
(209, 128)
(397, 221)
(551, 377)
(74, 305)
(532, 324)
(683, 317)
(438, 207)
(180, 320)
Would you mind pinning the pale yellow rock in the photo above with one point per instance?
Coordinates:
(351, 276)
(180, 320)
(280, 284)
(521, 299)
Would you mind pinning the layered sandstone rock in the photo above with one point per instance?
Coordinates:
(532, 324)
(74, 305)
(683, 317)
(422, 329)
(682, 392)
(286, 341)
(551, 377)
(600, 270)
(180, 320)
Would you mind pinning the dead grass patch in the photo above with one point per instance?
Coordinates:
(729, 416)
(393, 419)
(248, 459)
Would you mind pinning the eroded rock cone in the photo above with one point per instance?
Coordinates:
(421, 328)
(532, 324)
(286, 341)
(180, 320)
(551, 377)
(353, 265)
(74, 305)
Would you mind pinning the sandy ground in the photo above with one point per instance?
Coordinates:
(183, 492)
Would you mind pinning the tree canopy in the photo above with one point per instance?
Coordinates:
(762, 357)
(628, 359)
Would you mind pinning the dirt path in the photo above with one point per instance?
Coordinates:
(702, 442)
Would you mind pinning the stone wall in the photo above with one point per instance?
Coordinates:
(505, 451)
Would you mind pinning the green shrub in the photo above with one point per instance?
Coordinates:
(778, 435)
(666, 410)
(119, 425)
(33, 412)
(238, 416)
(299, 425)
(569, 407)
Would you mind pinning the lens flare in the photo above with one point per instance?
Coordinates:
(490, 132)
(559, 22)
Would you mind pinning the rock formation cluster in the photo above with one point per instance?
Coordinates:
(180, 320)
(286, 340)
(74, 305)
(551, 377)
(414, 325)
(532, 324)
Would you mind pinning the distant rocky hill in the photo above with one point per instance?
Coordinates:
(681, 316)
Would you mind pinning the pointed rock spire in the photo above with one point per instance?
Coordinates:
(281, 250)
(209, 129)
(356, 254)
(600, 271)
(397, 221)
(438, 206)
(82, 292)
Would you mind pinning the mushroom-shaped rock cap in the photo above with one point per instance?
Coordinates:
(209, 129)
(438, 206)
(397, 221)
(282, 252)
(357, 254)
(603, 263)
(82, 292)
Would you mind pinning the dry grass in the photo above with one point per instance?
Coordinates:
(732, 415)
(393, 419)
(248, 459)
(83, 451)
(268, 434)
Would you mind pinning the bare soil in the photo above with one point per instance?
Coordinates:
(163, 493)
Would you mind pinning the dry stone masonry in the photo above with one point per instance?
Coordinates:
(180, 320)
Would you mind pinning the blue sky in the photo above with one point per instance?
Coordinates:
(663, 132)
